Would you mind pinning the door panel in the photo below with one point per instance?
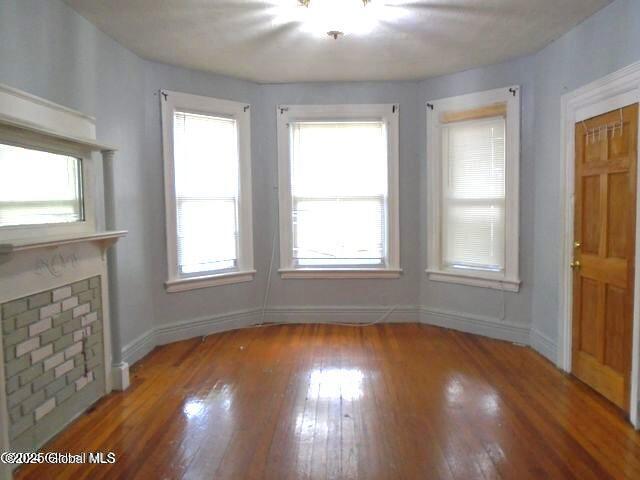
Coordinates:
(591, 224)
(589, 324)
(614, 328)
(617, 227)
(605, 200)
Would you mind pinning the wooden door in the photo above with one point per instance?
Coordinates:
(605, 212)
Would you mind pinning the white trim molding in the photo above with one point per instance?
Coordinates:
(35, 114)
(184, 330)
(476, 324)
(138, 348)
(544, 345)
(241, 113)
(103, 239)
(478, 280)
(343, 314)
(613, 91)
(194, 283)
(389, 113)
(327, 314)
(120, 376)
(507, 280)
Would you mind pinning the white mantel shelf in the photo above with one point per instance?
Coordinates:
(104, 239)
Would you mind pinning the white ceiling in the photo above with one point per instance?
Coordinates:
(412, 39)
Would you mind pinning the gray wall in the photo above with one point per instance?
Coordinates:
(50, 51)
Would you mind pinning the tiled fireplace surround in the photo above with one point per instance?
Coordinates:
(53, 348)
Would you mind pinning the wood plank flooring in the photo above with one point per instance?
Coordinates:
(327, 402)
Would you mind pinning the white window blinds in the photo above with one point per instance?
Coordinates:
(206, 165)
(339, 193)
(473, 214)
(39, 187)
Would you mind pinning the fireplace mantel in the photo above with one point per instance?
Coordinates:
(103, 239)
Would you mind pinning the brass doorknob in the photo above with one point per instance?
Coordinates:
(577, 244)
(575, 264)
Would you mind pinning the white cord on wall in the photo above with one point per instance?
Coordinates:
(267, 292)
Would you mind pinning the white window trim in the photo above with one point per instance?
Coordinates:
(170, 102)
(290, 113)
(508, 280)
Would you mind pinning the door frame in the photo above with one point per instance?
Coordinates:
(613, 91)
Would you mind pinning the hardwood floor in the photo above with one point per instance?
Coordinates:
(381, 402)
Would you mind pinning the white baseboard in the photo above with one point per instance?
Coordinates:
(139, 348)
(199, 327)
(470, 323)
(177, 331)
(476, 324)
(120, 376)
(342, 314)
(543, 345)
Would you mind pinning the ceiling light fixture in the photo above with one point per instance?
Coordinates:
(338, 17)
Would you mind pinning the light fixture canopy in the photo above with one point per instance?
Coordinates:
(306, 3)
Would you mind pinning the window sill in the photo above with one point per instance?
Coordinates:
(335, 273)
(195, 283)
(475, 280)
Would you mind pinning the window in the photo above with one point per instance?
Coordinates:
(38, 187)
(338, 190)
(473, 156)
(208, 190)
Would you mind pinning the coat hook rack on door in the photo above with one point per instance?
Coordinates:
(603, 131)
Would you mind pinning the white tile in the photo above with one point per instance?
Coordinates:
(27, 346)
(64, 368)
(50, 310)
(39, 327)
(78, 335)
(81, 310)
(82, 333)
(61, 293)
(69, 303)
(41, 353)
(57, 359)
(73, 350)
(82, 381)
(45, 408)
(87, 319)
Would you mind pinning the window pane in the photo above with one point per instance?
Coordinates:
(339, 189)
(206, 235)
(206, 185)
(474, 192)
(339, 231)
(39, 187)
